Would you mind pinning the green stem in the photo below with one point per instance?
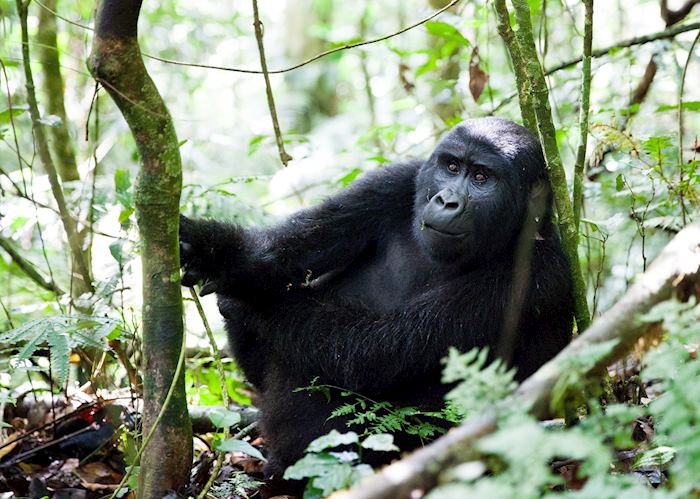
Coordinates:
(584, 112)
(557, 177)
(527, 111)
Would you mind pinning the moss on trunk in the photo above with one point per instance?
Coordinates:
(117, 64)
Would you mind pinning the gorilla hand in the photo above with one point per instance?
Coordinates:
(197, 249)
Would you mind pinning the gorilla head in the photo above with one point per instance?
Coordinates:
(475, 190)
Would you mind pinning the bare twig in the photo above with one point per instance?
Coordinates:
(630, 42)
(317, 56)
(28, 267)
(681, 162)
(284, 156)
(224, 388)
(595, 54)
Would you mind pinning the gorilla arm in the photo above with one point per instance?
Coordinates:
(250, 263)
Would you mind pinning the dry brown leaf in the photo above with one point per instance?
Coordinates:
(97, 474)
(477, 76)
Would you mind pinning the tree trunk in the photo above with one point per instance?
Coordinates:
(47, 47)
(116, 63)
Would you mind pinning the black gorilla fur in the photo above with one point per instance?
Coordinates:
(369, 289)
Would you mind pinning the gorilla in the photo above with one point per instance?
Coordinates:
(368, 290)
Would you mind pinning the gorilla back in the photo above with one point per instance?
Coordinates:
(368, 290)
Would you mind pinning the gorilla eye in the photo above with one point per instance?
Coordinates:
(481, 176)
(453, 168)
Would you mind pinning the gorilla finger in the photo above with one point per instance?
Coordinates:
(190, 277)
(208, 288)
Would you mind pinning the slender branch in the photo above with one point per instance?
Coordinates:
(315, 57)
(65, 19)
(676, 269)
(527, 112)
(673, 16)
(557, 177)
(630, 42)
(28, 267)
(580, 164)
(284, 156)
(681, 161)
(78, 255)
(224, 389)
(642, 89)
(595, 54)
(53, 91)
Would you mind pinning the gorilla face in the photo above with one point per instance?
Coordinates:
(471, 194)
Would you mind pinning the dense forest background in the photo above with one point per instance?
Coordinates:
(70, 273)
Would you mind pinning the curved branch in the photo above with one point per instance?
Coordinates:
(116, 63)
(315, 57)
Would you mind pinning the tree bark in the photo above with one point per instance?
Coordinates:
(116, 63)
(505, 30)
(675, 270)
(52, 85)
(81, 275)
(539, 94)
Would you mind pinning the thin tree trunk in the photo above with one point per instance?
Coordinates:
(81, 275)
(538, 92)
(52, 85)
(580, 164)
(117, 64)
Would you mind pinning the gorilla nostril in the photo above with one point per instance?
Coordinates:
(439, 201)
(452, 205)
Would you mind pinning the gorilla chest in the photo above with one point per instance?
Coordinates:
(386, 276)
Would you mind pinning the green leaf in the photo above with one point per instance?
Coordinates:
(122, 180)
(6, 114)
(333, 439)
(687, 106)
(234, 445)
(619, 182)
(310, 465)
(446, 31)
(655, 457)
(125, 214)
(223, 418)
(348, 178)
(116, 249)
(59, 356)
(254, 144)
(337, 477)
(380, 442)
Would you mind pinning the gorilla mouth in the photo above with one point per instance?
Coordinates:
(443, 232)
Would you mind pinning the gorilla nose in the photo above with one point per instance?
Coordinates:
(445, 212)
(449, 202)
